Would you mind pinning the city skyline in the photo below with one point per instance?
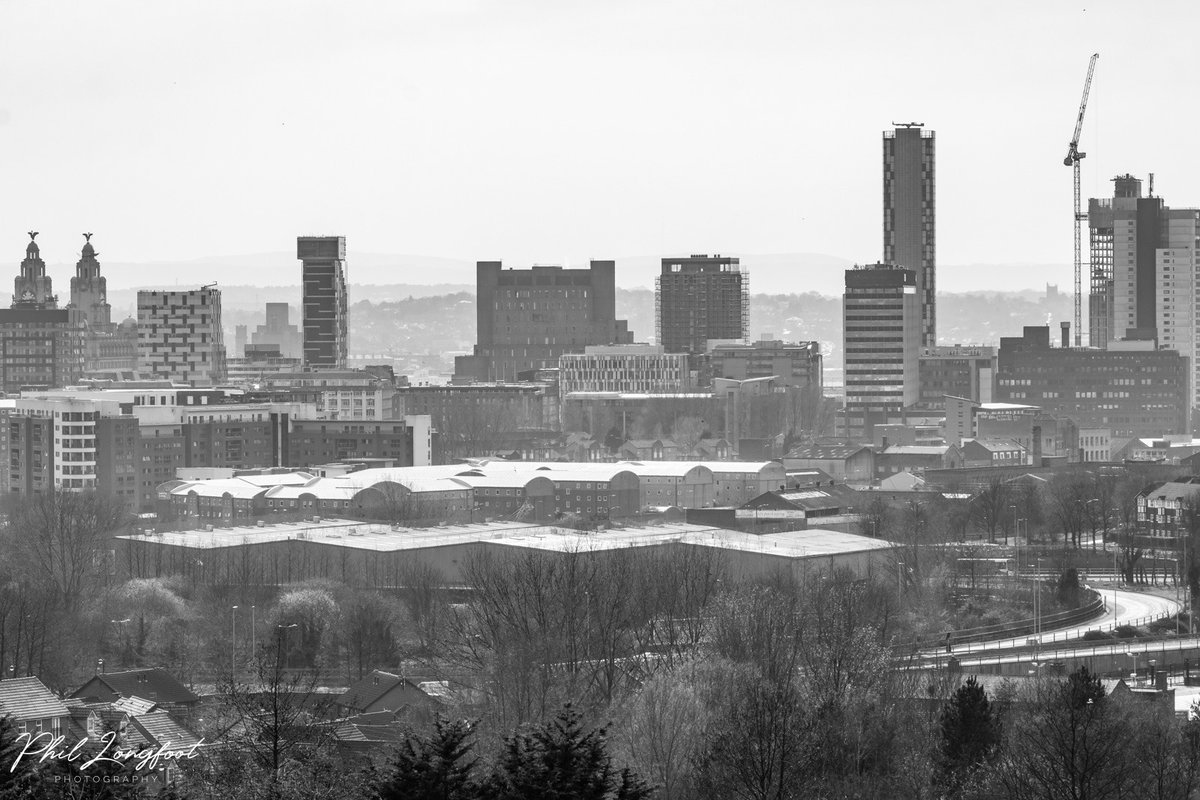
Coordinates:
(663, 128)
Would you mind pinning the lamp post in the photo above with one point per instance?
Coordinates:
(283, 640)
(1132, 675)
(233, 641)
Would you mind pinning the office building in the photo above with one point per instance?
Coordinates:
(32, 288)
(909, 214)
(698, 299)
(1133, 389)
(882, 332)
(339, 394)
(40, 347)
(260, 361)
(795, 365)
(623, 368)
(527, 318)
(963, 371)
(180, 338)
(406, 441)
(279, 331)
(325, 315)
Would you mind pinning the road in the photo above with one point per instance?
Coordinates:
(1131, 608)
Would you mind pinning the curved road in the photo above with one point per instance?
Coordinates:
(1131, 608)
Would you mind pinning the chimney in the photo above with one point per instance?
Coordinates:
(1066, 333)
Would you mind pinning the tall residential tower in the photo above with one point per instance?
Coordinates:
(908, 214)
(701, 298)
(324, 300)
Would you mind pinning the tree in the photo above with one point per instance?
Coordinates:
(969, 733)
(17, 780)
(440, 766)
(1071, 742)
(1068, 591)
(989, 506)
(63, 537)
(562, 760)
(661, 731)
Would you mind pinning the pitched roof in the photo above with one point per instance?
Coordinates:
(820, 452)
(154, 683)
(160, 729)
(134, 705)
(364, 693)
(917, 450)
(28, 698)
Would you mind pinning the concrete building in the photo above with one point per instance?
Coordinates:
(406, 440)
(325, 309)
(180, 337)
(623, 368)
(378, 555)
(40, 347)
(279, 331)
(527, 318)
(1132, 388)
(32, 288)
(909, 219)
(340, 394)
(796, 365)
(963, 371)
(698, 299)
(881, 330)
(259, 362)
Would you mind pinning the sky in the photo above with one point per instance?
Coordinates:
(558, 131)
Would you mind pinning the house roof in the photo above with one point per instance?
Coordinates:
(28, 698)
(902, 482)
(818, 452)
(154, 682)
(996, 445)
(1173, 490)
(134, 705)
(363, 694)
(917, 450)
(160, 729)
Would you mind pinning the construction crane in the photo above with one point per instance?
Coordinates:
(1072, 160)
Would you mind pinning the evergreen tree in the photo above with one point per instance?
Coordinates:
(969, 732)
(560, 761)
(438, 767)
(14, 783)
(1082, 688)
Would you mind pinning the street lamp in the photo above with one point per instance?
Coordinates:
(1132, 675)
(283, 635)
(233, 641)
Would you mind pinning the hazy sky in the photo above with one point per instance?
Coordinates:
(557, 131)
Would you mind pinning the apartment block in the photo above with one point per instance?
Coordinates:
(909, 214)
(699, 299)
(325, 310)
(180, 338)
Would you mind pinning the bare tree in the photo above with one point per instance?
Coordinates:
(64, 538)
(989, 506)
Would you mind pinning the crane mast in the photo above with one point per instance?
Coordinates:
(1072, 160)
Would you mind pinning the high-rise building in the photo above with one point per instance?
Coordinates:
(699, 298)
(796, 365)
(32, 288)
(1144, 259)
(89, 289)
(527, 318)
(882, 335)
(324, 303)
(908, 214)
(278, 330)
(180, 338)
